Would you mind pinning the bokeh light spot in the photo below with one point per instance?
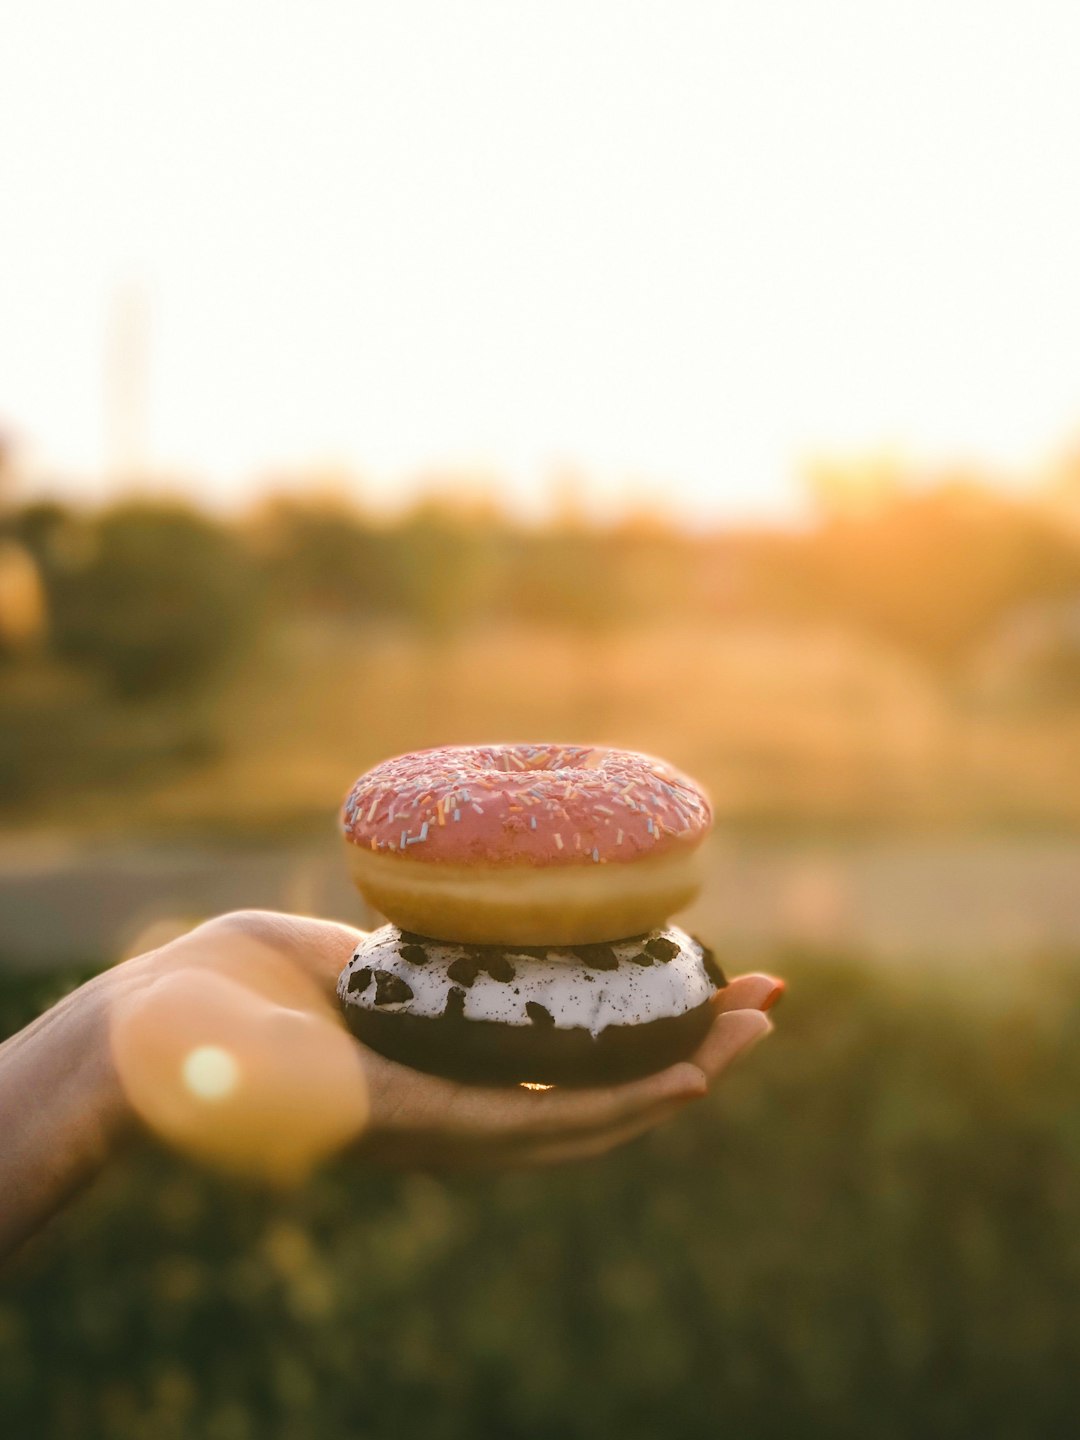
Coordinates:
(210, 1072)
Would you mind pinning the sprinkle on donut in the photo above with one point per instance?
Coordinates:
(532, 804)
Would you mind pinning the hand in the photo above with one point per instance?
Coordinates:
(253, 995)
(228, 1043)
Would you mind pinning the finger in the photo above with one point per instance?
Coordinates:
(523, 1152)
(320, 949)
(405, 1100)
(565, 1112)
(590, 1147)
(511, 1116)
(474, 1126)
(750, 992)
(597, 1142)
(235, 1078)
(733, 1033)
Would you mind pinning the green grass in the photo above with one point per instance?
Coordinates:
(871, 1230)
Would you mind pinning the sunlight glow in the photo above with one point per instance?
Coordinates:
(210, 1072)
(676, 250)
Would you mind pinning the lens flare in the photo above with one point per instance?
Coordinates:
(210, 1072)
(256, 1085)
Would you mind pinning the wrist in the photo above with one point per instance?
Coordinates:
(95, 1093)
(62, 1110)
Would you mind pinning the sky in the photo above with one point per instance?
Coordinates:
(676, 249)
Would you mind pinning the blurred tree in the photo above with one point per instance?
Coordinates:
(657, 569)
(22, 600)
(452, 562)
(855, 489)
(1033, 658)
(320, 555)
(7, 469)
(570, 576)
(1060, 495)
(152, 595)
(933, 572)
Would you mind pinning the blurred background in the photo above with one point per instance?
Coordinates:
(702, 381)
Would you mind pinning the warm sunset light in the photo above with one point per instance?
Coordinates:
(679, 249)
(210, 1072)
(244, 1081)
(540, 539)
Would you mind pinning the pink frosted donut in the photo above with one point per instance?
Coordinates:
(534, 844)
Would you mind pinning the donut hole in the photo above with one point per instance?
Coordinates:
(547, 760)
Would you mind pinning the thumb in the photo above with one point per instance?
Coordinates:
(318, 948)
(233, 1077)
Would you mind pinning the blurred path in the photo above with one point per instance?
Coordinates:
(64, 904)
(979, 900)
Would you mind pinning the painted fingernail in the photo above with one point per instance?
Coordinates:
(774, 996)
(752, 1028)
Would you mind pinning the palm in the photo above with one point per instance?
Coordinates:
(228, 1042)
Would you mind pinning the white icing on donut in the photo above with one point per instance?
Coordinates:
(575, 994)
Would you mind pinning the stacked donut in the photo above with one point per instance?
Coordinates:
(529, 889)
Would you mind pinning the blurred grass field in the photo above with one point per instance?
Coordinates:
(702, 380)
(789, 727)
(916, 665)
(870, 1230)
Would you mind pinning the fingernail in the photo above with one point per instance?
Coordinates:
(774, 996)
(752, 1027)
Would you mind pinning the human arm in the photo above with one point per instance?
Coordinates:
(227, 1042)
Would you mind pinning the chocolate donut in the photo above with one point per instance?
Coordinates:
(535, 844)
(500, 1014)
